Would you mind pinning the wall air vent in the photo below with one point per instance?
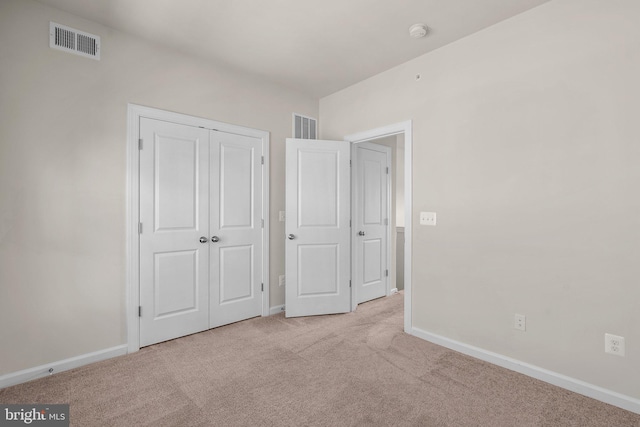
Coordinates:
(304, 127)
(74, 41)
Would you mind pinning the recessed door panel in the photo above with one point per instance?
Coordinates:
(236, 271)
(317, 227)
(175, 283)
(176, 167)
(372, 254)
(318, 203)
(372, 191)
(318, 267)
(236, 186)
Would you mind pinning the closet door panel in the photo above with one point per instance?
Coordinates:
(236, 228)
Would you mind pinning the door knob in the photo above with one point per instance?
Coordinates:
(203, 239)
(215, 239)
(360, 233)
(291, 237)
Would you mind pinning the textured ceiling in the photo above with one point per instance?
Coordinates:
(315, 46)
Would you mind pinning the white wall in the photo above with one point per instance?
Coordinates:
(526, 144)
(62, 173)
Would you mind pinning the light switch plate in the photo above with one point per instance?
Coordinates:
(427, 218)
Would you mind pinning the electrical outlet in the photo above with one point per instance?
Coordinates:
(427, 218)
(520, 322)
(614, 344)
(281, 280)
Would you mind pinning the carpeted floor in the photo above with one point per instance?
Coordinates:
(356, 369)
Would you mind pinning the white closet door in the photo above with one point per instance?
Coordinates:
(236, 228)
(174, 213)
(318, 211)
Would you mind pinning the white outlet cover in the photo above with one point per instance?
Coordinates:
(614, 344)
(427, 218)
(520, 322)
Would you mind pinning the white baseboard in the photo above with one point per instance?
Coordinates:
(595, 392)
(60, 366)
(276, 309)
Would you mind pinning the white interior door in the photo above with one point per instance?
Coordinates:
(174, 216)
(371, 225)
(236, 228)
(318, 187)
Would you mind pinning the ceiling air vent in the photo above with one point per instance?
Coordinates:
(74, 41)
(304, 127)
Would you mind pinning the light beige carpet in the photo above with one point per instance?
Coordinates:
(357, 369)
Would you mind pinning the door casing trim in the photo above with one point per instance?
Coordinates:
(134, 113)
(389, 130)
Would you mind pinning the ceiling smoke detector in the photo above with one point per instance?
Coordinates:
(417, 31)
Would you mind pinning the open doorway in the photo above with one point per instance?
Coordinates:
(318, 224)
(393, 212)
(398, 136)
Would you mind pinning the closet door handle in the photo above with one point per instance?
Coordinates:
(215, 239)
(291, 237)
(360, 233)
(203, 239)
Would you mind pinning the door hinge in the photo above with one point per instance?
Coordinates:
(262, 222)
(262, 287)
(139, 228)
(386, 273)
(262, 160)
(139, 311)
(386, 221)
(140, 144)
(349, 283)
(349, 163)
(387, 170)
(349, 223)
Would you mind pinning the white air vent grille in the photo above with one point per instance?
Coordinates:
(305, 127)
(74, 41)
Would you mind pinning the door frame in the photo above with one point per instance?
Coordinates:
(389, 130)
(354, 211)
(134, 113)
